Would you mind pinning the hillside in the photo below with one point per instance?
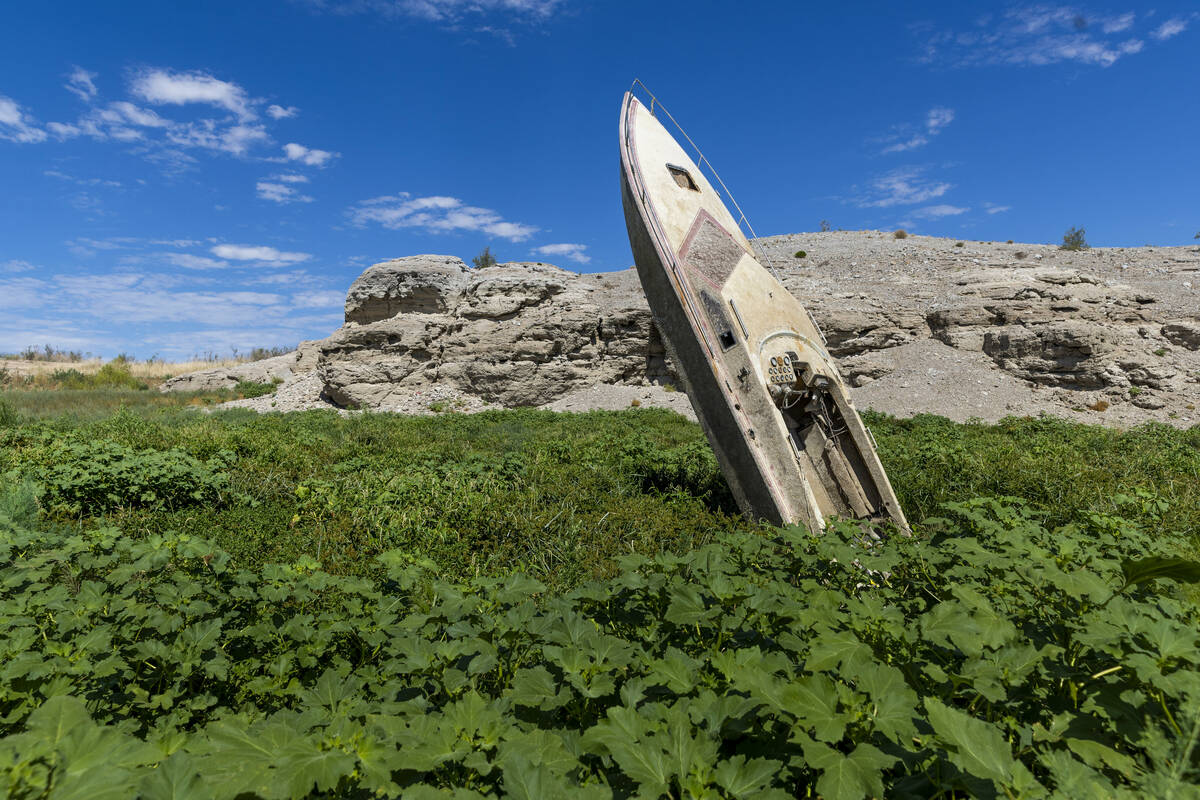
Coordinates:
(919, 325)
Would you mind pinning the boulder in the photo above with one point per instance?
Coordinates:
(412, 285)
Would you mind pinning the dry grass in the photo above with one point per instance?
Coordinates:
(146, 370)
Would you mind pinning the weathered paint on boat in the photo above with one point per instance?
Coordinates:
(768, 395)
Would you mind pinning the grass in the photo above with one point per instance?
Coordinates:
(557, 495)
(91, 404)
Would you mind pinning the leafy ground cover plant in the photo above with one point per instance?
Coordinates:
(89, 478)
(989, 655)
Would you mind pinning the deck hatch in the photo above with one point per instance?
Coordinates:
(683, 178)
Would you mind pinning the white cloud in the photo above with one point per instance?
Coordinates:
(1118, 24)
(906, 137)
(280, 193)
(992, 208)
(178, 88)
(1036, 36)
(290, 177)
(16, 125)
(902, 186)
(81, 84)
(13, 266)
(189, 261)
(62, 176)
(62, 130)
(575, 252)
(934, 212)
(910, 143)
(938, 118)
(438, 214)
(258, 253)
(158, 138)
(235, 140)
(144, 312)
(319, 299)
(309, 156)
(447, 11)
(1171, 27)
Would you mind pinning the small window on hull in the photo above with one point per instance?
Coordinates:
(682, 177)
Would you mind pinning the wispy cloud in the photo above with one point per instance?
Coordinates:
(938, 211)
(447, 11)
(236, 131)
(437, 214)
(307, 155)
(260, 254)
(281, 112)
(910, 137)
(175, 314)
(16, 125)
(63, 176)
(902, 186)
(1172, 27)
(162, 86)
(81, 83)
(993, 208)
(282, 189)
(1038, 35)
(575, 252)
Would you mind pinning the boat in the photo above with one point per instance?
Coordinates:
(753, 361)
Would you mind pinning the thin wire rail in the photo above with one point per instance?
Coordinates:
(701, 162)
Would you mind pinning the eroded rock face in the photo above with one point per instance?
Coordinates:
(515, 334)
(920, 324)
(416, 284)
(277, 368)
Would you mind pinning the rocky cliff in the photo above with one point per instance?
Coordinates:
(971, 329)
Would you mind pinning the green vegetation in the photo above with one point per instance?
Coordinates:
(484, 259)
(256, 389)
(900, 233)
(529, 604)
(801, 254)
(1073, 239)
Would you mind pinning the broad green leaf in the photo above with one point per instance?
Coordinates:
(1147, 569)
(848, 777)
(742, 778)
(974, 746)
(176, 778)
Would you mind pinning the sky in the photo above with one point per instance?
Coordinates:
(182, 179)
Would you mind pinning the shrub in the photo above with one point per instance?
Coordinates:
(1020, 254)
(8, 414)
(800, 254)
(1073, 240)
(1010, 241)
(88, 478)
(959, 244)
(484, 259)
(988, 656)
(900, 233)
(825, 226)
(1099, 405)
(254, 388)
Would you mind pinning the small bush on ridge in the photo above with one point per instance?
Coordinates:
(1073, 239)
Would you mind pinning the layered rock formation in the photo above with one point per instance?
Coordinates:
(920, 324)
(514, 334)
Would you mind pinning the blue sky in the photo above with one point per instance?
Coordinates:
(189, 177)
